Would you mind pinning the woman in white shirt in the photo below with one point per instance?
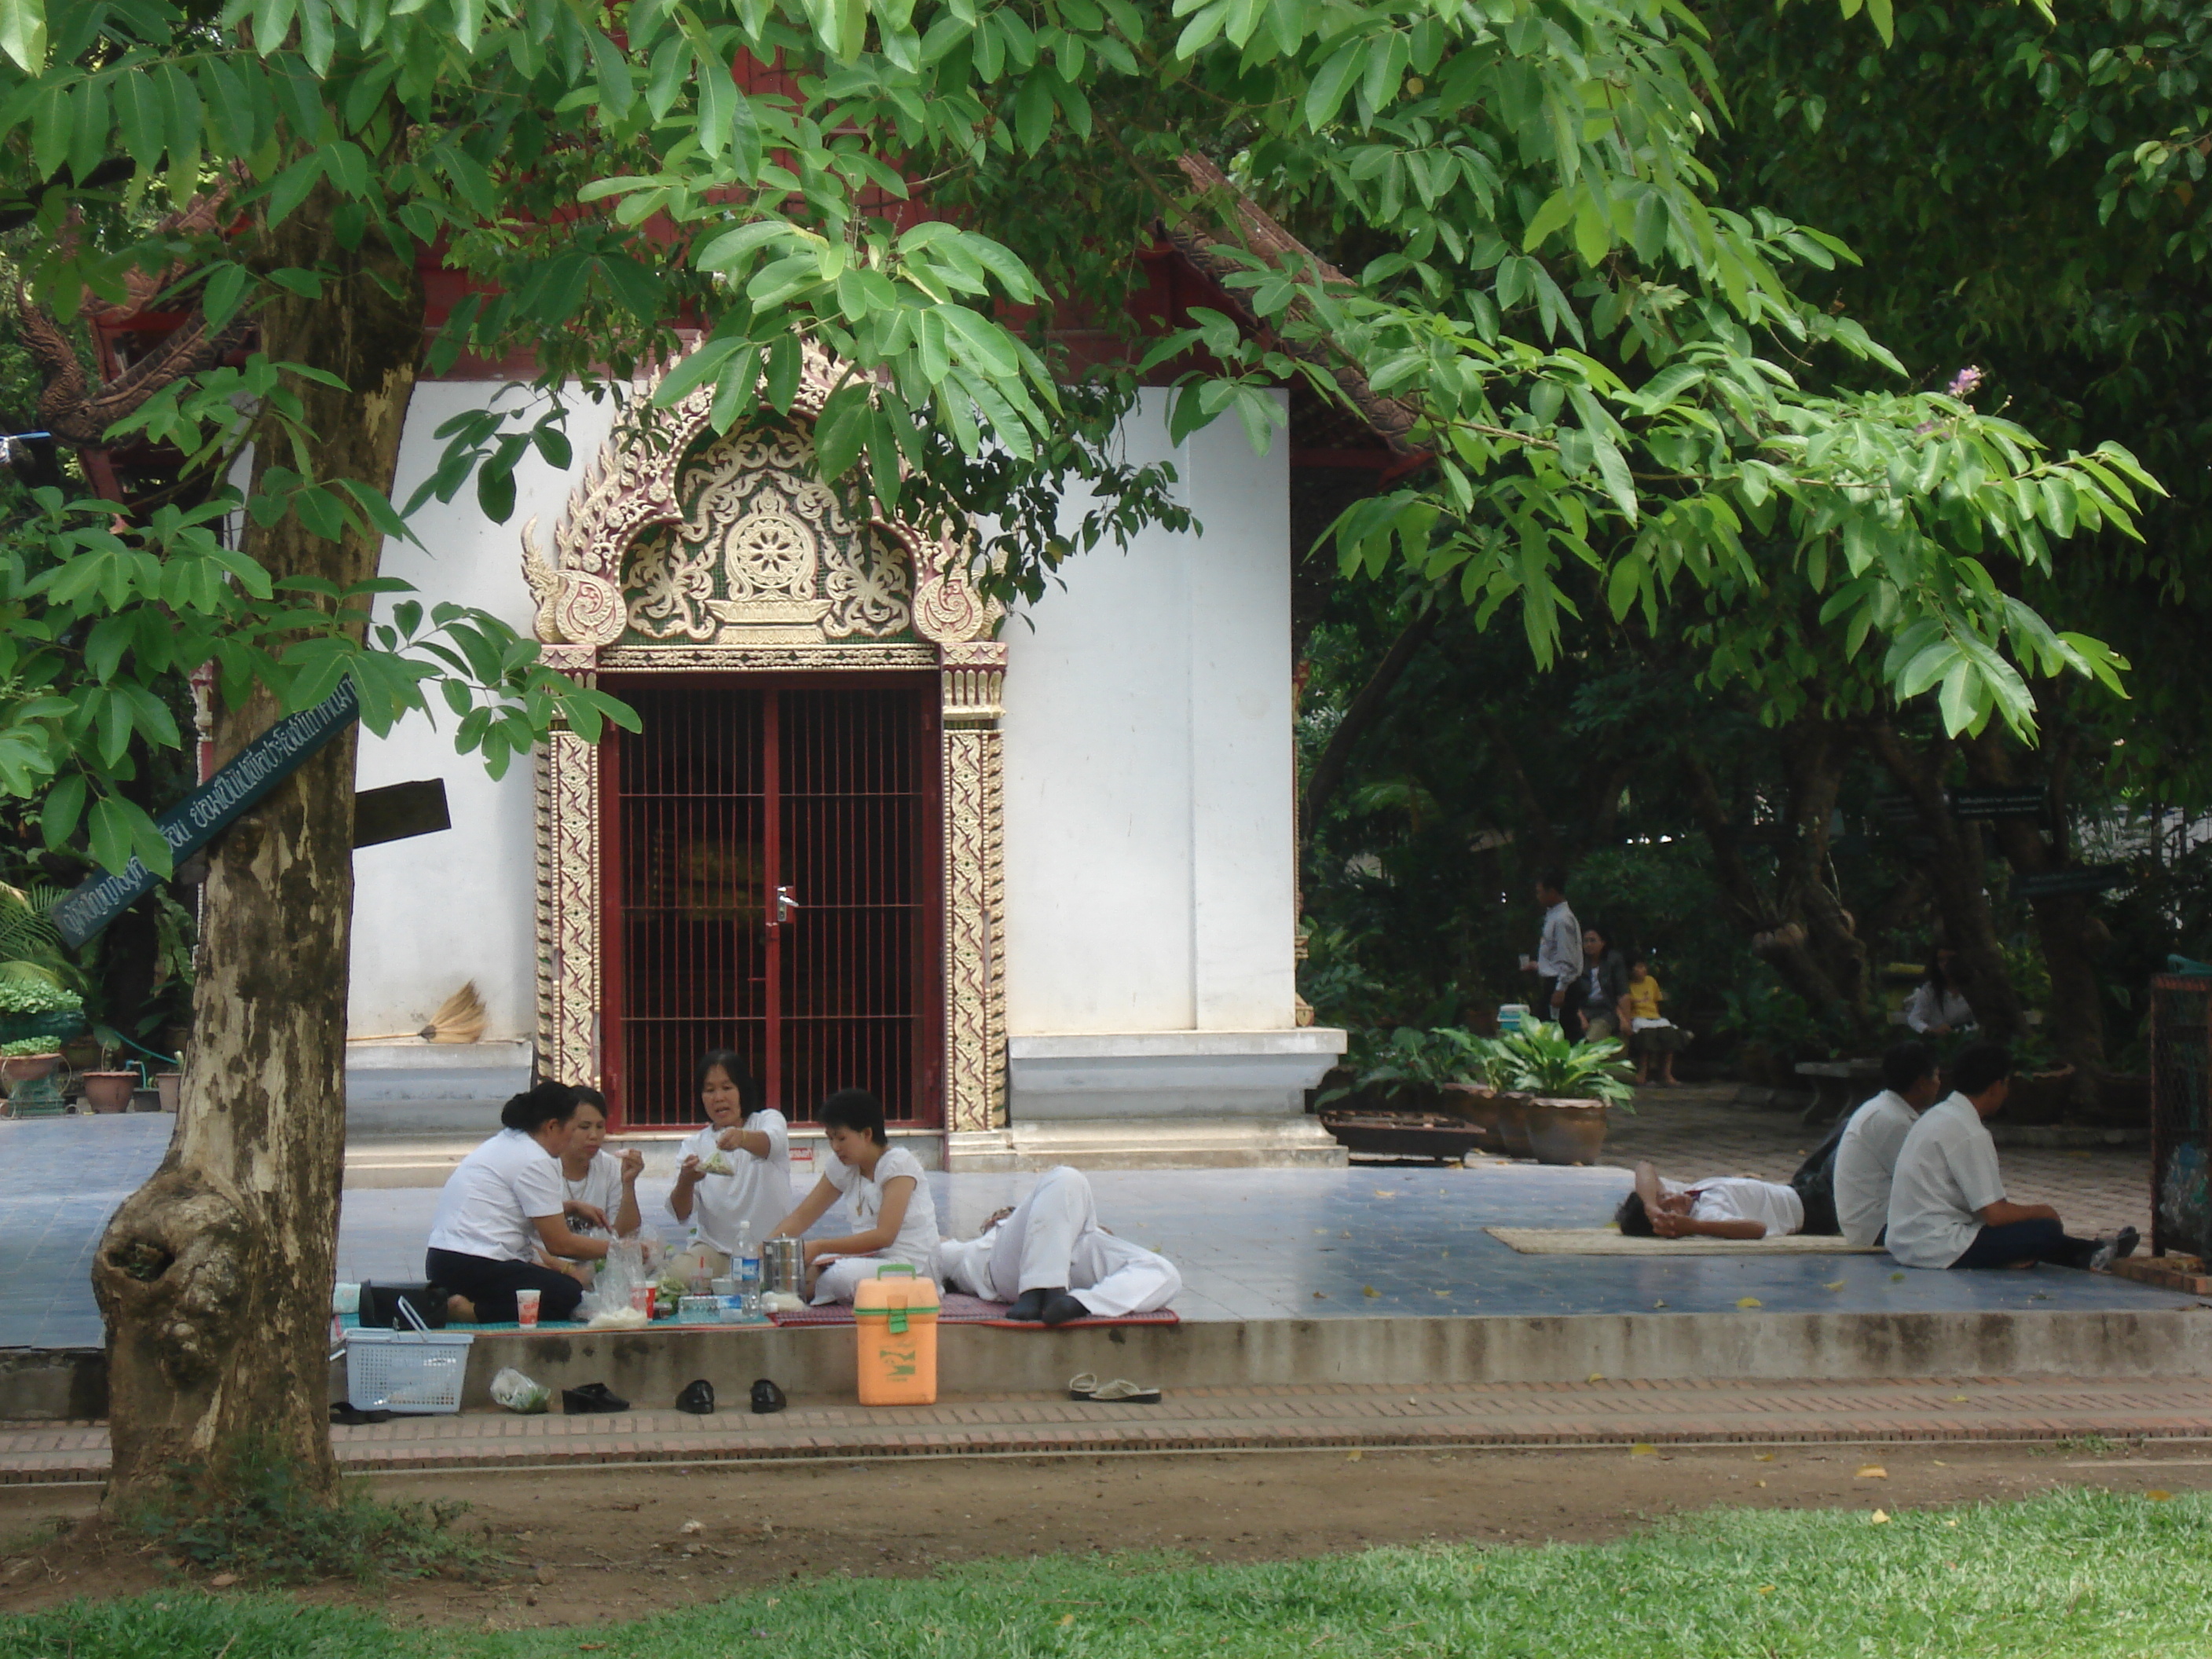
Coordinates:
(888, 1191)
(733, 1179)
(1937, 1007)
(503, 1217)
(595, 1179)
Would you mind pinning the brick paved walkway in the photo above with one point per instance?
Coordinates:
(1597, 1412)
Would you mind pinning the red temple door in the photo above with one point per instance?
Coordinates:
(772, 866)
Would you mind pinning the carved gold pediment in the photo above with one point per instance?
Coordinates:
(679, 536)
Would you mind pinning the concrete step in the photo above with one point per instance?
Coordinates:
(447, 1084)
(1630, 1353)
(1142, 1143)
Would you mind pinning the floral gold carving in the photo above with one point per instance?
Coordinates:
(975, 933)
(568, 908)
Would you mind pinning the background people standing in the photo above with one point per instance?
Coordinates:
(1559, 953)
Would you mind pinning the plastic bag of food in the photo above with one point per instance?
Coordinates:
(716, 1165)
(512, 1389)
(623, 1271)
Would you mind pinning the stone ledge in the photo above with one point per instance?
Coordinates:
(1148, 1143)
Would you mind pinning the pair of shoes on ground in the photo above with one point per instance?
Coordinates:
(1048, 1305)
(2109, 1250)
(1121, 1391)
(592, 1397)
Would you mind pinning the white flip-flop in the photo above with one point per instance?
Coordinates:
(1122, 1392)
(1083, 1385)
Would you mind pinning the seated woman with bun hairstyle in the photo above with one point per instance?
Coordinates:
(504, 1216)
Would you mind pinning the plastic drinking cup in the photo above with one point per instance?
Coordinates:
(525, 1308)
(640, 1297)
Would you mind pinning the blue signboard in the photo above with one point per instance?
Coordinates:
(210, 809)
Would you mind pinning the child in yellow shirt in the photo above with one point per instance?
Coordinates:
(1650, 1032)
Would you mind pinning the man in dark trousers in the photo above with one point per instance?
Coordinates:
(1948, 1206)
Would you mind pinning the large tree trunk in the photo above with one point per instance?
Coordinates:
(1329, 772)
(214, 1277)
(1801, 931)
(1958, 871)
(2071, 934)
(1814, 760)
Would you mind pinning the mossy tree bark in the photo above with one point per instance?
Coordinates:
(214, 1278)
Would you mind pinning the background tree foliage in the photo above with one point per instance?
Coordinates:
(2022, 192)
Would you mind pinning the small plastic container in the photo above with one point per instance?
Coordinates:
(895, 1320)
(1511, 1017)
(700, 1310)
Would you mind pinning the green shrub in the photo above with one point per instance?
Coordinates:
(1539, 1059)
(30, 995)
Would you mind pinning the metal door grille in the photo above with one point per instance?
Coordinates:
(773, 893)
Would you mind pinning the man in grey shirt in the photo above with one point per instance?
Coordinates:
(1560, 954)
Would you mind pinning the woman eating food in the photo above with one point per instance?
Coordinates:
(593, 1181)
(504, 1217)
(887, 1191)
(733, 1180)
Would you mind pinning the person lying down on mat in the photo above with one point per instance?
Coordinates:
(1048, 1256)
(1722, 1206)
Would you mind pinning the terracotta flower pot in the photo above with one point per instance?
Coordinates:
(2039, 1096)
(1476, 1105)
(1566, 1131)
(109, 1091)
(1513, 1112)
(28, 1068)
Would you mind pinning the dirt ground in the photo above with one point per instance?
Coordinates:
(583, 1546)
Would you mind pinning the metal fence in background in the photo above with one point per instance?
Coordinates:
(2180, 1087)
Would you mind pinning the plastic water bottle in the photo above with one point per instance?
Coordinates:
(748, 1272)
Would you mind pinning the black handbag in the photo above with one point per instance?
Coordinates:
(1816, 1185)
(379, 1306)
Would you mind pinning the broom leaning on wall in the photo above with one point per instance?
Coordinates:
(459, 1019)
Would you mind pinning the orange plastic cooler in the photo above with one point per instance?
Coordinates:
(895, 1313)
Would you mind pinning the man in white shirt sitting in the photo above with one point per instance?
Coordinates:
(1721, 1206)
(1866, 1157)
(1947, 1202)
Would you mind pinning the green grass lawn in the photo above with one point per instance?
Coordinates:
(2076, 1573)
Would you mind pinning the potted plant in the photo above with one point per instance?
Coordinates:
(1411, 1070)
(34, 1003)
(1571, 1088)
(108, 1089)
(26, 1068)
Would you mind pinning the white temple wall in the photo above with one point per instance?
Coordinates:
(435, 911)
(1151, 879)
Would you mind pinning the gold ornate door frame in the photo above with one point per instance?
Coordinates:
(684, 551)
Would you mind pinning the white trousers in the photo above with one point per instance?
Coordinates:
(841, 1279)
(1052, 1239)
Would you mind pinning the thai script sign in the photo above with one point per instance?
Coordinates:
(210, 809)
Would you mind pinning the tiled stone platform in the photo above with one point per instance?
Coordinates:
(1364, 1243)
(1595, 1413)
